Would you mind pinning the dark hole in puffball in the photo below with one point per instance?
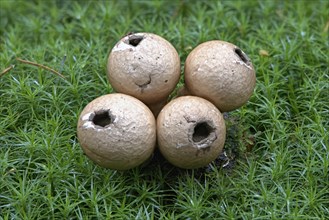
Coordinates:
(135, 40)
(201, 131)
(102, 118)
(242, 56)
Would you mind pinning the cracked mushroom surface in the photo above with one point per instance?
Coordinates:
(117, 131)
(144, 65)
(191, 132)
(221, 73)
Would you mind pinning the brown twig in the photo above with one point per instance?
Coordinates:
(41, 66)
(6, 70)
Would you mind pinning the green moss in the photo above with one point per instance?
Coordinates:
(279, 140)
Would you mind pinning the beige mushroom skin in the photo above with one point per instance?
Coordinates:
(157, 107)
(144, 65)
(190, 132)
(117, 131)
(221, 73)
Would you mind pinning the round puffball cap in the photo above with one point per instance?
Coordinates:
(191, 132)
(117, 131)
(144, 65)
(221, 73)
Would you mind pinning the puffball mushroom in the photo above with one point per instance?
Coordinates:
(190, 132)
(144, 65)
(221, 73)
(117, 131)
(157, 107)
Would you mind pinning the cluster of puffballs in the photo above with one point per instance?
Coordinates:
(121, 130)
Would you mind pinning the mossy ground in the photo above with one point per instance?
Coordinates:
(277, 151)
